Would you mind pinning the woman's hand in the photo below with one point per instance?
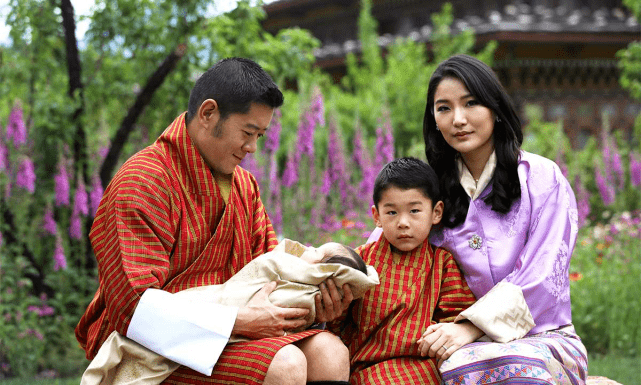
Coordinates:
(441, 340)
(329, 304)
(261, 319)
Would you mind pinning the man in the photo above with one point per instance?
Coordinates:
(180, 214)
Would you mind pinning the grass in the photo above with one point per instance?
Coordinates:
(625, 370)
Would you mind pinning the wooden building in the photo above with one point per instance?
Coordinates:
(559, 55)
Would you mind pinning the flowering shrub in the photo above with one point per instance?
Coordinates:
(605, 273)
(41, 293)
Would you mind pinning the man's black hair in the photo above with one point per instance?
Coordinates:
(407, 173)
(235, 84)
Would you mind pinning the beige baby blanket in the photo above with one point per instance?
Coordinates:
(122, 361)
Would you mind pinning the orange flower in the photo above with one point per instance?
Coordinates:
(347, 224)
(576, 277)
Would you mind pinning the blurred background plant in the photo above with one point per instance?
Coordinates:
(71, 117)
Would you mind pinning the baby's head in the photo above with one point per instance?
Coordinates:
(333, 252)
(406, 202)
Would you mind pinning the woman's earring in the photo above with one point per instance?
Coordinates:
(437, 128)
(498, 119)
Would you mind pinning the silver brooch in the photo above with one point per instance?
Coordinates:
(476, 242)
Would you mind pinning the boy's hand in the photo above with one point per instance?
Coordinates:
(441, 340)
(329, 304)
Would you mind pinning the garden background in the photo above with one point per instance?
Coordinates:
(71, 113)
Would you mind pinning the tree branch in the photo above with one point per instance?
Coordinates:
(142, 100)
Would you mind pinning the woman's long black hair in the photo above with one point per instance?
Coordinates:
(482, 83)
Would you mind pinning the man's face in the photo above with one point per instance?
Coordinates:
(224, 143)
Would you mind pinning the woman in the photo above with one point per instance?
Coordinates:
(510, 219)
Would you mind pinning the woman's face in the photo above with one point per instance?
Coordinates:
(465, 124)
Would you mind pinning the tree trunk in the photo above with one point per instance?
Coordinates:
(144, 97)
(76, 93)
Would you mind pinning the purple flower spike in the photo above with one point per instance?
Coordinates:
(290, 175)
(635, 169)
(59, 259)
(16, 129)
(327, 182)
(318, 107)
(272, 137)
(61, 182)
(337, 170)
(49, 223)
(26, 176)
(384, 142)
(605, 189)
(81, 201)
(583, 201)
(250, 164)
(96, 194)
(4, 157)
(75, 226)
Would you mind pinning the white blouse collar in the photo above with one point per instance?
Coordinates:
(472, 187)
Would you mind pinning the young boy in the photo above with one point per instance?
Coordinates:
(298, 270)
(419, 285)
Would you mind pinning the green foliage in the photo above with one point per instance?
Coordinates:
(398, 81)
(126, 42)
(605, 271)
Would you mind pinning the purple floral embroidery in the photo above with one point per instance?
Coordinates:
(558, 283)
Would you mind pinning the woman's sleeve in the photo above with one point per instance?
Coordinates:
(542, 268)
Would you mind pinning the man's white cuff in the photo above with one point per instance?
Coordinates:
(187, 330)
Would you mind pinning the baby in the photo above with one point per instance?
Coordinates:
(297, 269)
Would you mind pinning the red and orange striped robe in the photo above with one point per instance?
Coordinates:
(163, 224)
(418, 288)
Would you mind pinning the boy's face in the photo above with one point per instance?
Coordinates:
(406, 217)
(315, 255)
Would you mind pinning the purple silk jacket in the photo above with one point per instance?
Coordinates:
(530, 246)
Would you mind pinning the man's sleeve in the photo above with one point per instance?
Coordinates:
(133, 240)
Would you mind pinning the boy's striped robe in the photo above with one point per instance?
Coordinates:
(163, 224)
(417, 288)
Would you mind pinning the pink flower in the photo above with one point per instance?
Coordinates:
(272, 137)
(49, 223)
(59, 259)
(75, 226)
(384, 142)
(61, 184)
(4, 156)
(16, 129)
(290, 175)
(81, 201)
(26, 177)
(250, 164)
(605, 189)
(635, 169)
(96, 194)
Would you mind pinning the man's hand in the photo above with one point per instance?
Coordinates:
(441, 340)
(261, 319)
(329, 304)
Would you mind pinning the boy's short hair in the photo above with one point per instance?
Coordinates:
(354, 260)
(407, 173)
